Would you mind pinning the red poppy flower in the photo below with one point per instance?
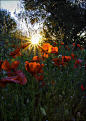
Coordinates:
(21, 79)
(12, 54)
(58, 62)
(75, 66)
(85, 66)
(16, 53)
(13, 45)
(78, 45)
(34, 67)
(77, 62)
(82, 87)
(62, 43)
(47, 47)
(73, 44)
(25, 45)
(81, 48)
(54, 44)
(39, 78)
(36, 58)
(59, 47)
(1, 61)
(6, 42)
(6, 66)
(45, 55)
(72, 55)
(54, 50)
(61, 63)
(17, 72)
(68, 49)
(66, 58)
(66, 46)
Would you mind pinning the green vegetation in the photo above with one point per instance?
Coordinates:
(53, 86)
(60, 99)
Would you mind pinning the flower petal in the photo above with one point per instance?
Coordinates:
(15, 64)
(6, 66)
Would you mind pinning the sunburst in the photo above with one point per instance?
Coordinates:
(37, 38)
(33, 44)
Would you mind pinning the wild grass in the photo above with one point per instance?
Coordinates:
(63, 101)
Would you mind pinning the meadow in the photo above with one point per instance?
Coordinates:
(46, 88)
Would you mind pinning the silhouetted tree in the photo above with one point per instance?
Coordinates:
(7, 23)
(60, 15)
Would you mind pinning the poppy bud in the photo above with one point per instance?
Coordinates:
(43, 111)
(78, 114)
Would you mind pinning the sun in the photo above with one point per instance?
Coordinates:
(36, 39)
(33, 44)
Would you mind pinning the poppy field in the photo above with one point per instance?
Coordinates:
(49, 87)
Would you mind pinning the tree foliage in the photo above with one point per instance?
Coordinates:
(62, 16)
(6, 22)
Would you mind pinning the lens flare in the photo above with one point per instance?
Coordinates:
(32, 44)
(36, 39)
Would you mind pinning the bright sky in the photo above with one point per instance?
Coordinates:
(11, 5)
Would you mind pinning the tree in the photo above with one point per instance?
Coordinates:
(63, 16)
(6, 22)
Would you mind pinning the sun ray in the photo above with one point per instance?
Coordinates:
(34, 43)
(30, 49)
(39, 52)
(36, 39)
